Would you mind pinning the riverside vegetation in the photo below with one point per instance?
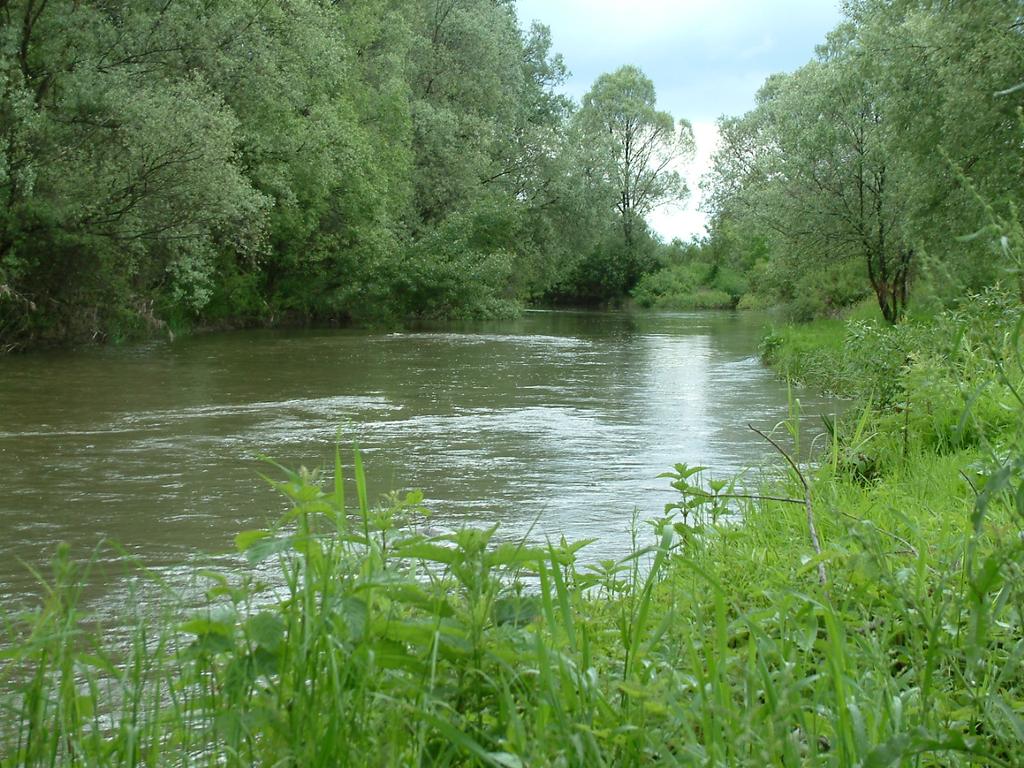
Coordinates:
(730, 636)
(166, 166)
(171, 165)
(725, 638)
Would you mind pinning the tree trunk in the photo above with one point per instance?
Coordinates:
(890, 282)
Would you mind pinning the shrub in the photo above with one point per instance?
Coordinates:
(677, 287)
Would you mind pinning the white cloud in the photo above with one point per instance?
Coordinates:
(710, 56)
(765, 45)
(685, 222)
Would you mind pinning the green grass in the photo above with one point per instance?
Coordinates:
(344, 638)
(810, 352)
(721, 649)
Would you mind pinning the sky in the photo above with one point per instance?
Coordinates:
(707, 58)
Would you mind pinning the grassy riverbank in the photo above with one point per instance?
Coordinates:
(344, 639)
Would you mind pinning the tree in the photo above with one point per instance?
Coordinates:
(119, 185)
(193, 162)
(859, 158)
(641, 145)
(466, 74)
(811, 162)
(942, 67)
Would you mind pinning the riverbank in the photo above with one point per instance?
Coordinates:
(714, 642)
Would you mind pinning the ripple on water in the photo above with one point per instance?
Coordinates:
(314, 405)
(556, 423)
(476, 339)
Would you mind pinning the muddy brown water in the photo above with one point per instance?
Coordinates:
(556, 423)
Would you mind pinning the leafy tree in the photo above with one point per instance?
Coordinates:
(118, 185)
(467, 72)
(854, 163)
(940, 67)
(641, 144)
(494, 152)
(624, 153)
(811, 163)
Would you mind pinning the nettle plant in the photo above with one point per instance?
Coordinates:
(704, 504)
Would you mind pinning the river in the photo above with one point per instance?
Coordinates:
(556, 423)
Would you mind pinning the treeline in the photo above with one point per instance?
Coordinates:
(171, 164)
(882, 168)
(166, 163)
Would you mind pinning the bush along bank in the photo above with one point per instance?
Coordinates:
(930, 458)
(729, 639)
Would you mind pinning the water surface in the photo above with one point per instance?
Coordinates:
(555, 423)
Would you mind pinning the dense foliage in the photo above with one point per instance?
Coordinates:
(165, 165)
(864, 172)
(168, 164)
